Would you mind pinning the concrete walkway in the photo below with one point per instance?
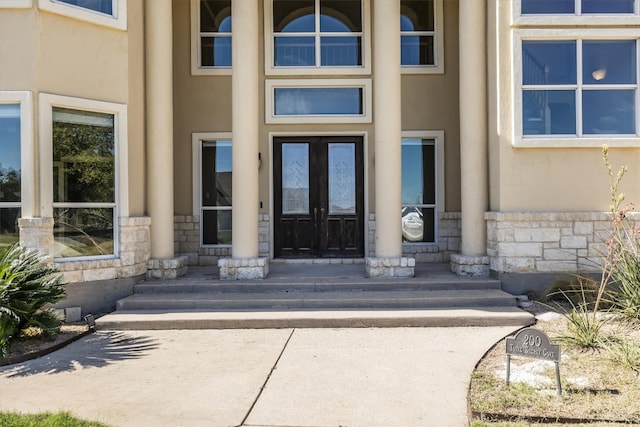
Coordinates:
(267, 377)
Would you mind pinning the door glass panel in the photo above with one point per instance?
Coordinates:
(342, 179)
(295, 178)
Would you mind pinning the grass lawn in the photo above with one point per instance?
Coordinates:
(45, 419)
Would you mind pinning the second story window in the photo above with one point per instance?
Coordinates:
(576, 7)
(317, 33)
(215, 33)
(421, 36)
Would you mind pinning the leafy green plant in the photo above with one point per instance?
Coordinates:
(28, 284)
(625, 353)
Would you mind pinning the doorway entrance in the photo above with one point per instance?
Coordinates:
(318, 197)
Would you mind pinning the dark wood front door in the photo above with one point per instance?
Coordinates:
(319, 197)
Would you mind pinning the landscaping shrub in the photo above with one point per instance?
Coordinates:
(28, 284)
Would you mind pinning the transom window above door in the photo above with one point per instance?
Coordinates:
(303, 36)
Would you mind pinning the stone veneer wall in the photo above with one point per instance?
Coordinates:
(37, 233)
(448, 242)
(135, 249)
(565, 242)
(187, 241)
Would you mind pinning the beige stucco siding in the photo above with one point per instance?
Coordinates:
(542, 179)
(17, 39)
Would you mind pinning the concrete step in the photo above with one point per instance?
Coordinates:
(266, 319)
(297, 300)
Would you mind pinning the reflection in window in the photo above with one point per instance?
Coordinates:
(418, 190)
(215, 33)
(10, 173)
(102, 6)
(318, 101)
(83, 183)
(551, 88)
(317, 33)
(557, 7)
(417, 32)
(216, 194)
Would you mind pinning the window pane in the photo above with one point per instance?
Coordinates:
(547, 6)
(609, 61)
(215, 16)
(417, 15)
(608, 112)
(82, 232)
(216, 227)
(103, 6)
(418, 224)
(294, 16)
(295, 178)
(294, 51)
(215, 52)
(216, 173)
(549, 112)
(10, 167)
(83, 156)
(548, 62)
(318, 101)
(417, 50)
(607, 6)
(340, 51)
(340, 16)
(418, 171)
(342, 179)
(9, 226)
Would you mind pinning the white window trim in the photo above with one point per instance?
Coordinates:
(564, 20)
(196, 68)
(438, 136)
(27, 152)
(197, 138)
(117, 21)
(438, 68)
(46, 103)
(563, 141)
(16, 4)
(365, 84)
(271, 70)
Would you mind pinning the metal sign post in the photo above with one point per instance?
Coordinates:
(535, 344)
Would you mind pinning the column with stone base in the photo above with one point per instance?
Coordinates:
(245, 262)
(387, 104)
(37, 234)
(475, 266)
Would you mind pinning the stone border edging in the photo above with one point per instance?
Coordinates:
(36, 354)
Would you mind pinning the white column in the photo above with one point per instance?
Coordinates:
(245, 120)
(473, 127)
(388, 128)
(159, 125)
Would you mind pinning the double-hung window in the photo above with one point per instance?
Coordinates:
(213, 184)
(576, 83)
(84, 174)
(422, 195)
(10, 172)
(211, 36)
(421, 36)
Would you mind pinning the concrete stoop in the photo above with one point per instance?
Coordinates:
(342, 301)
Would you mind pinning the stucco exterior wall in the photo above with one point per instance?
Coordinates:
(18, 70)
(543, 179)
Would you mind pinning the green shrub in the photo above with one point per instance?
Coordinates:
(45, 419)
(28, 284)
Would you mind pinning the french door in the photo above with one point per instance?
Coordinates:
(319, 197)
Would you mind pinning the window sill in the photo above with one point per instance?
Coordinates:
(584, 142)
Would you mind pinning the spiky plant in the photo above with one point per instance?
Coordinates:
(28, 284)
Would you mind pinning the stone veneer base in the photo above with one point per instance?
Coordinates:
(390, 267)
(475, 266)
(167, 268)
(243, 268)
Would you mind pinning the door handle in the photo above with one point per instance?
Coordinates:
(315, 214)
(321, 214)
